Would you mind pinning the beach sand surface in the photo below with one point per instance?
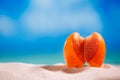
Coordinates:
(23, 71)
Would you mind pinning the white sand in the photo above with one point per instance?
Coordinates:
(21, 71)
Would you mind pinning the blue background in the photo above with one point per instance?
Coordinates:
(34, 31)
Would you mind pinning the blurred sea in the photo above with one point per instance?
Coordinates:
(52, 58)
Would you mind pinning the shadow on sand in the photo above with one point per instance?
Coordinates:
(63, 68)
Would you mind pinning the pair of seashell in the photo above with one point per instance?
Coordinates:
(78, 50)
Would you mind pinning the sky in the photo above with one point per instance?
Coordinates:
(41, 26)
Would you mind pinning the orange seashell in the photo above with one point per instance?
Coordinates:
(94, 50)
(77, 50)
(74, 50)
